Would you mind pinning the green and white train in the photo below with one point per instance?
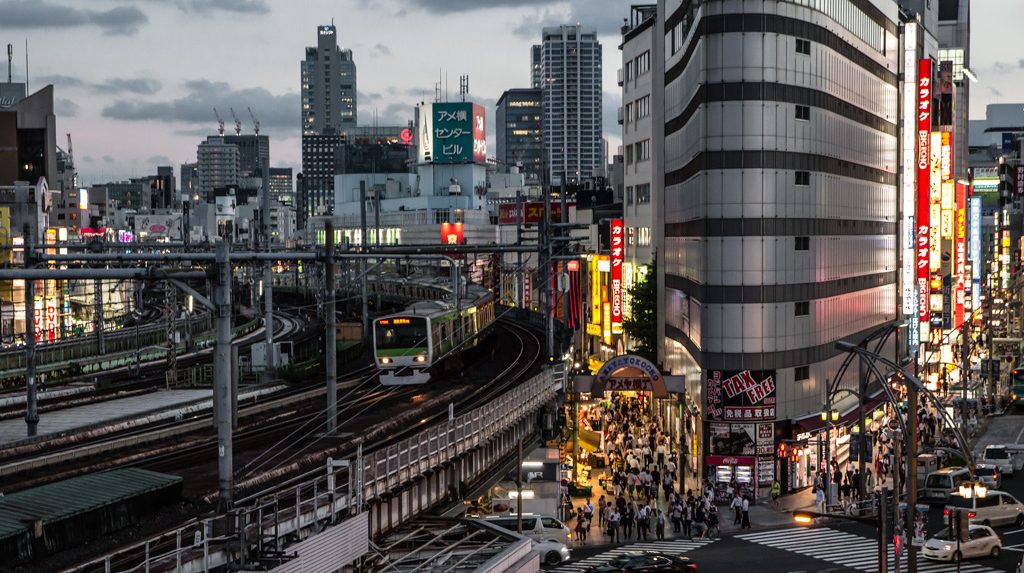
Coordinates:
(409, 344)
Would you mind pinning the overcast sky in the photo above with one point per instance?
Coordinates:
(137, 80)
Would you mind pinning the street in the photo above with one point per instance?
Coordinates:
(831, 547)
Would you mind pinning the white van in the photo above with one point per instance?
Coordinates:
(996, 508)
(536, 527)
(1003, 456)
(938, 486)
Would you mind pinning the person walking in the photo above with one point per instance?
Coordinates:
(688, 520)
(659, 524)
(737, 507)
(579, 525)
(712, 518)
(819, 499)
(602, 505)
(588, 511)
(628, 519)
(613, 524)
(698, 521)
(643, 522)
(776, 492)
(745, 507)
(677, 517)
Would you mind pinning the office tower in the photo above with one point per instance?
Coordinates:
(189, 181)
(28, 135)
(778, 213)
(219, 165)
(253, 153)
(571, 87)
(328, 85)
(518, 133)
(281, 185)
(535, 65)
(160, 186)
(316, 194)
(954, 34)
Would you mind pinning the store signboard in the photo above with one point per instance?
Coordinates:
(935, 199)
(617, 251)
(765, 439)
(960, 255)
(908, 293)
(741, 396)
(924, 126)
(976, 261)
(532, 212)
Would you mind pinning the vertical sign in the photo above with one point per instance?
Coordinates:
(960, 254)
(616, 258)
(946, 153)
(479, 135)
(976, 261)
(924, 127)
(935, 194)
(908, 278)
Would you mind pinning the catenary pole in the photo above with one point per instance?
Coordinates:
(330, 330)
(31, 409)
(222, 376)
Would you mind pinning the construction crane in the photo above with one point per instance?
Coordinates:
(220, 123)
(255, 122)
(238, 124)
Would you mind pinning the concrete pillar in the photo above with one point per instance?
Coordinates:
(222, 376)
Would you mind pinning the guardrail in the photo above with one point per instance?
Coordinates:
(267, 522)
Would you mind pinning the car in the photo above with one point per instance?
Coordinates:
(989, 475)
(552, 552)
(996, 508)
(983, 542)
(1000, 456)
(646, 561)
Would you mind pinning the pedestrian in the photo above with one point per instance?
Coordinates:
(613, 524)
(628, 519)
(602, 505)
(643, 522)
(712, 518)
(746, 513)
(688, 520)
(737, 507)
(776, 492)
(677, 517)
(579, 525)
(588, 510)
(819, 500)
(698, 521)
(659, 524)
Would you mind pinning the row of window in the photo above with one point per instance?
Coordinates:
(638, 109)
(639, 151)
(638, 195)
(638, 66)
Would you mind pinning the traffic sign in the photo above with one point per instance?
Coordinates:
(893, 424)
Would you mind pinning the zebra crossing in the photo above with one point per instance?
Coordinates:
(673, 546)
(846, 549)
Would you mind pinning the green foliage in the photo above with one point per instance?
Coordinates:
(642, 325)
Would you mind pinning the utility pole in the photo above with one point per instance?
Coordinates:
(171, 295)
(362, 261)
(519, 486)
(965, 373)
(883, 545)
(897, 530)
(545, 264)
(97, 286)
(564, 232)
(31, 409)
(222, 375)
(330, 329)
(268, 277)
(862, 442)
(911, 479)
(520, 273)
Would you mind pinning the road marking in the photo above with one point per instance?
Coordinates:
(1012, 532)
(677, 547)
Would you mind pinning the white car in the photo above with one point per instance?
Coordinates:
(989, 475)
(1001, 457)
(983, 542)
(996, 508)
(551, 552)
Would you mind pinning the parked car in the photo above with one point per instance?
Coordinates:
(983, 542)
(1003, 456)
(536, 527)
(552, 552)
(646, 561)
(996, 508)
(989, 475)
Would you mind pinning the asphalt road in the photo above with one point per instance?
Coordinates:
(836, 546)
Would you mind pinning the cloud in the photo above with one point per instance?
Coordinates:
(604, 15)
(367, 96)
(237, 6)
(142, 86)
(22, 14)
(159, 160)
(65, 108)
(88, 159)
(108, 159)
(276, 112)
(448, 6)
(379, 50)
(391, 114)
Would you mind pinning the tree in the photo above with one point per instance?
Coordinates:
(642, 325)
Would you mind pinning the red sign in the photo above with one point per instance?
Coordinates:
(729, 460)
(451, 233)
(479, 135)
(960, 258)
(573, 266)
(91, 232)
(924, 128)
(533, 212)
(616, 258)
(406, 136)
(640, 384)
(1019, 187)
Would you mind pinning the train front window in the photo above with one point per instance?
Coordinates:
(400, 333)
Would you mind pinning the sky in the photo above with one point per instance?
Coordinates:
(136, 81)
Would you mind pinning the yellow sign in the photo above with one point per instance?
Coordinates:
(594, 329)
(616, 328)
(607, 322)
(595, 292)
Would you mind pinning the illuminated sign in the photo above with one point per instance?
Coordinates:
(406, 136)
(595, 289)
(924, 126)
(935, 197)
(384, 321)
(976, 261)
(616, 259)
(451, 233)
(946, 154)
(908, 279)
(479, 135)
(326, 31)
(533, 212)
(960, 255)
(83, 199)
(398, 321)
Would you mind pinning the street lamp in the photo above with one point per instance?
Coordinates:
(973, 489)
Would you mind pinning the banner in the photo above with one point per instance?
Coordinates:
(743, 396)
(960, 255)
(924, 127)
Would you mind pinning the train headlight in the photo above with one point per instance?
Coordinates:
(385, 360)
(421, 358)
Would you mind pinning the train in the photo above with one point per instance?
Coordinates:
(408, 345)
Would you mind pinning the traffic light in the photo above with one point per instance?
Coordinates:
(897, 544)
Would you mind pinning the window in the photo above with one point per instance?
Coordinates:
(803, 46)
(643, 150)
(643, 194)
(803, 243)
(629, 155)
(801, 373)
(628, 116)
(803, 178)
(802, 308)
(803, 112)
(629, 194)
(643, 63)
(642, 107)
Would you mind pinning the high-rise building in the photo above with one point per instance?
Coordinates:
(253, 153)
(954, 35)
(535, 65)
(189, 181)
(518, 131)
(28, 135)
(219, 165)
(161, 187)
(778, 216)
(281, 188)
(316, 195)
(328, 85)
(571, 88)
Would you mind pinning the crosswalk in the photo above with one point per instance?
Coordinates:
(846, 549)
(673, 546)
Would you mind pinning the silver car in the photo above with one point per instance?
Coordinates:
(989, 475)
(551, 552)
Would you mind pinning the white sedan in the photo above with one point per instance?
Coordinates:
(983, 542)
(551, 552)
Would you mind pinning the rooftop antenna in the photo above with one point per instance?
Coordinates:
(27, 91)
(437, 87)
(238, 124)
(10, 61)
(463, 86)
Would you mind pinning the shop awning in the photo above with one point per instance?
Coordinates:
(847, 412)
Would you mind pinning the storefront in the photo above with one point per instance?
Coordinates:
(740, 432)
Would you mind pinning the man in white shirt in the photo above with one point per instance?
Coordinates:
(745, 507)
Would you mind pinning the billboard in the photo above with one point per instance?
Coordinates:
(154, 226)
(976, 261)
(452, 132)
(740, 396)
(616, 258)
(452, 233)
(960, 254)
(533, 212)
(935, 198)
(924, 127)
